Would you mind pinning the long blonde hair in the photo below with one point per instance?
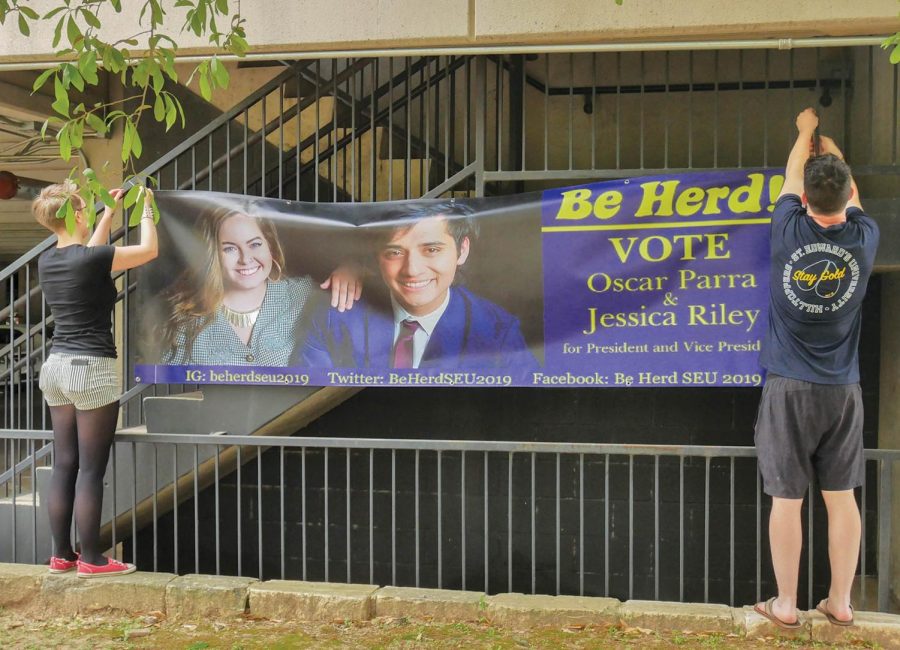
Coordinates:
(199, 290)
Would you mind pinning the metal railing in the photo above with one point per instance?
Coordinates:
(560, 518)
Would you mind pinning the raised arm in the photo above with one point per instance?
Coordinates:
(129, 257)
(102, 227)
(807, 122)
(828, 146)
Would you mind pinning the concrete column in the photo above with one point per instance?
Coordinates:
(889, 405)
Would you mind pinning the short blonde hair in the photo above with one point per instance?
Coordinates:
(51, 199)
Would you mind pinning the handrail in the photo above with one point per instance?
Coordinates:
(411, 444)
(22, 465)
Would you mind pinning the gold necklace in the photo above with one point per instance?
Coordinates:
(240, 319)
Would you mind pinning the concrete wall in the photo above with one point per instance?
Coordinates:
(289, 25)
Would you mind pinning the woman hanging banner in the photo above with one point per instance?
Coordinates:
(641, 282)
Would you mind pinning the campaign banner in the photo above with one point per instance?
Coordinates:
(652, 281)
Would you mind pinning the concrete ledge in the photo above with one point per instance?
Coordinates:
(312, 601)
(869, 628)
(133, 593)
(756, 625)
(521, 610)
(20, 584)
(202, 596)
(695, 617)
(435, 604)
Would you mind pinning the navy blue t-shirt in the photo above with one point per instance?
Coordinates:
(78, 287)
(817, 279)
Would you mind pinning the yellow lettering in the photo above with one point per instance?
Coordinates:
(747, 198)
(575, 204)
(665, 198)
(713, 195)
(715, 246)
(689, 201)
(665, 248)
(607, 204)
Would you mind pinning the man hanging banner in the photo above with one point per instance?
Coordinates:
(641, 282)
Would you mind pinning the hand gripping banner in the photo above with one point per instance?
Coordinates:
(638, 282)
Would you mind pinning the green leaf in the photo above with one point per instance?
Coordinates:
(57, 32)
(167, 63)
(42, 79)
(23, 26)
(87, 66)
(61, 105)
(220, 73)
(159, 109)
(895, 55)
(107, 198)
(136, 213)
(76, 78)
(90, 211)
(127, 139)
(70, 217)
(76, 134)
(91, 18)
(171, 112)
(222, 6)
(137, 146)
(180, 108)
(30, 13)
(205, 90)
(117, 60)
(158, 80)
(65, 144)
(73, 32)
(132, 195)
(53, 12)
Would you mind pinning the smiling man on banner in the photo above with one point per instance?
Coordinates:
(429, 321)
(810, 419)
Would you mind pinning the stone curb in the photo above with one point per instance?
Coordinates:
(312, 601)
(32, 589)
(526, 610)
(136, 592)
(441, 605)
(677, 617)
(202, 596)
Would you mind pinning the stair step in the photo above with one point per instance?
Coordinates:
(138, 429)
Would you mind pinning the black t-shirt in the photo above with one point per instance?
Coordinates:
(818, 279)
(78, 287)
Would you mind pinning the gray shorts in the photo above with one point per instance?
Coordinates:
(806, 430)
(84, 381)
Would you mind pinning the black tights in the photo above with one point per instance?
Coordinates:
(81, 444)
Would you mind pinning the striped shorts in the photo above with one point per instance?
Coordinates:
(86, 382)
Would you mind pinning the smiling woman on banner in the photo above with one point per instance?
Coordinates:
(237, 307)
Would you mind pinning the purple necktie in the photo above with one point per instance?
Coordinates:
(403, 349)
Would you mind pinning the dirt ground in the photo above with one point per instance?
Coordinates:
(153, 631)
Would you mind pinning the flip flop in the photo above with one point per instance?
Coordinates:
(766, 611)
(822, 608)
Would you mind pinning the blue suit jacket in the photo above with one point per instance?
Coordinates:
(473, 333)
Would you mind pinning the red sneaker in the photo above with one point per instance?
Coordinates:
(61, 565)
(111, 568)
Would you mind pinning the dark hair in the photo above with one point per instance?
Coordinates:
(826, 182)
(460, 223)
